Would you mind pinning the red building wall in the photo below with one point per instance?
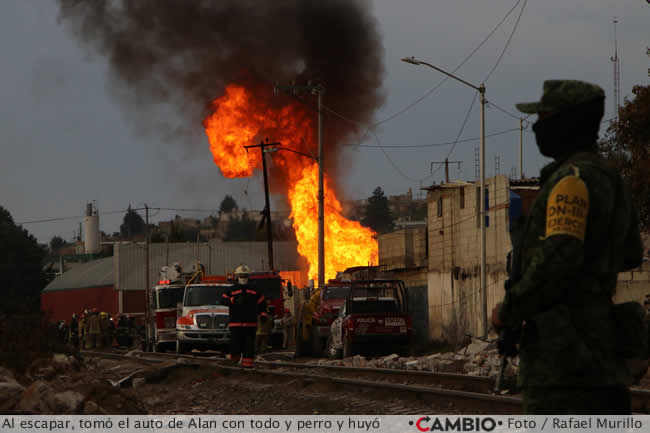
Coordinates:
(133, 301)
(61, 304)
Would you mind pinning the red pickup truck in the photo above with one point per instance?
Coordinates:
(373, 317)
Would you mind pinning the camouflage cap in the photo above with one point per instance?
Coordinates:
(561, 94)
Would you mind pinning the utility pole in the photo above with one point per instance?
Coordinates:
(521, 148)
(317, 90)
(147, 313)
(484, 315)
(481, 90)
(617, 77)
(321, 193)
(267, 208)
(446, 163)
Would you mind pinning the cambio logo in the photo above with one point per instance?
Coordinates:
(428, 424)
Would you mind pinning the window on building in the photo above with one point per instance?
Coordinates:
(462, 198)
(478, 206)
(487, 205)
(439, 206)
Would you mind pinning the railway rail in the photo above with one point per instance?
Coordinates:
(471, 393)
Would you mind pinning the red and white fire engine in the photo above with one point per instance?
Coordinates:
(164, 299)
(203, 321)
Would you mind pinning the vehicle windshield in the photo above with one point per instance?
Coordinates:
(336, 292)
(204, 295)
(361, 305)
(374, 292)
(169, 297)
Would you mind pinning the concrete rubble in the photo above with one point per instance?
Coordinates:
(479, 358)
(64, 385)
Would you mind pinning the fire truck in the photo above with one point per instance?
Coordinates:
(164, 299)
(203, 321)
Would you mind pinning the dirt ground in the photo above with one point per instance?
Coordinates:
(91, 386)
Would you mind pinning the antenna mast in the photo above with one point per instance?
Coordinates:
(617, 77)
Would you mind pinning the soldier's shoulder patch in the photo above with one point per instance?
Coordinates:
(567, 207)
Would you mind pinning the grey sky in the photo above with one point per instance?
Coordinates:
(66, 140)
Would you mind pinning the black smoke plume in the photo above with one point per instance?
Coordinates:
(183, 53)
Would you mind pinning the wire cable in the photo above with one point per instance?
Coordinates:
(444, 143)
(490, 103)
(521, 12)
(405, 176)
(465, 60)
(428, 92)
(469, 111)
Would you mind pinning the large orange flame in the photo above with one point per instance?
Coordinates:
(240, 118)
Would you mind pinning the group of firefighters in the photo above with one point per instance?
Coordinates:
(251, 323)
(95, 330)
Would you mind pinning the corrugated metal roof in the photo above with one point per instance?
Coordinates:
(218, 258)
(97, 273)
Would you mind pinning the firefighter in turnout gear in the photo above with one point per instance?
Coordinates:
(74, 331)
(83, 330)
(264, 328)
(93, 330)
(245, 304)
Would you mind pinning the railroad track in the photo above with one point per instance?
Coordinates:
(377, 383)
(471, 393)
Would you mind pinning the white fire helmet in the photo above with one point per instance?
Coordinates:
(242, 273)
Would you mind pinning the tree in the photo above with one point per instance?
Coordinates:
(378, 216)
(132, 225)
(241, 229)
(56, 243)
(228, 204)
(417, 211)
(21, 274)
(627, 146)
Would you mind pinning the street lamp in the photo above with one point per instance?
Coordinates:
(481, 90)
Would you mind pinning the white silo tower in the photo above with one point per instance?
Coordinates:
(91, 229)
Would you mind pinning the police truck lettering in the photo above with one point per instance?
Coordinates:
(567, 208)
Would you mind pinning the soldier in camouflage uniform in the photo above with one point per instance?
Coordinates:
(582, 230)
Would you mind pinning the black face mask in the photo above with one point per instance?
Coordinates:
(574, 130)
(551, 137)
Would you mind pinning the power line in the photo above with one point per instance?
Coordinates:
(507, 43)
(459, 132)
(430, 91)
(395, 166)
(490, 103)
(444, 143)
(462, 127)
(77, 217)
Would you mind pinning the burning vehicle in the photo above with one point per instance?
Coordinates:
(373, 316)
